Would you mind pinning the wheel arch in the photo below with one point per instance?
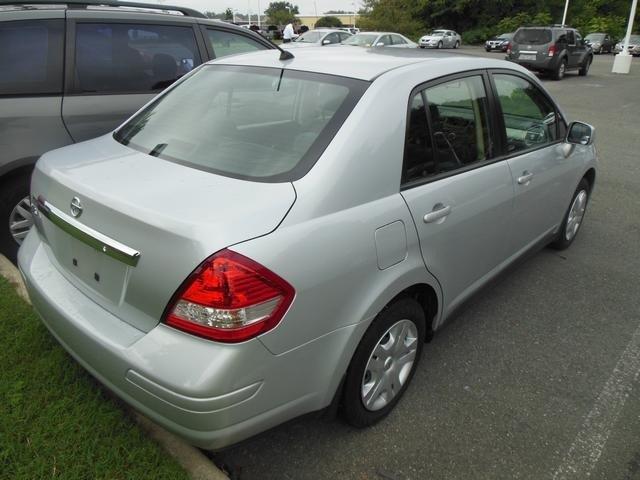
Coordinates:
(590, 176)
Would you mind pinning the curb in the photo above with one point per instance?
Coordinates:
(195, 463)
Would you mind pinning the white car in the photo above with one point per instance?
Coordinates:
(441, 39)
(380, 39)
(319, 38)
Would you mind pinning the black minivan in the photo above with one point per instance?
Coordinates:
(551, 50)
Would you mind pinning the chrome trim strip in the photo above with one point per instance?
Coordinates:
(87, 235)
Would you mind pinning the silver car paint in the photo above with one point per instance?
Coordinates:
(325, 246)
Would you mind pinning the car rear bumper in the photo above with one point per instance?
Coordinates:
(211, 394)
(538, 65)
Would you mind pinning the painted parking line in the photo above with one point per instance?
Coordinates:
(588, 445)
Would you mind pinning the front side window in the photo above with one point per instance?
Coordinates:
(398, 40)
(227, 43)
(264, 124)
(31, 55)
(459, 116)
(333, 38)
(530, 119)
(123, 58)
(385, 40)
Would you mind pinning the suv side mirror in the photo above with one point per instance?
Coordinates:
(580, 134)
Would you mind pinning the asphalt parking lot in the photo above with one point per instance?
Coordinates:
(536, 377)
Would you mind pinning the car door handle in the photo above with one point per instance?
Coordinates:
(439, 211)
(525, 178)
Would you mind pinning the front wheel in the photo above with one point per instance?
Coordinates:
(574, 216)
(384, 363)
(457, 45)
(439, 44)
(584, 69)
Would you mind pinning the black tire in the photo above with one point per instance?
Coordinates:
(487, 49)
(12, 191)
(457, 45)
(584, 69)
(439, 45)
(559, 72)
(561, 242)
(353, 408)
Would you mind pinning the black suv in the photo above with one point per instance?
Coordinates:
(73, 70)
(551, 50)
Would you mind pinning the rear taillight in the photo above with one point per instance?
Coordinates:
(509, 48)
(552, 50)
(229, 298)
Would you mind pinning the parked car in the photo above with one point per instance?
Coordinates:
(600, 42)
(223, 272)
(550, 50)
(441, 39)
(318, 38)
(273, 32)
(57, 88)
(379, 39)
(633, 47)
(500, 43)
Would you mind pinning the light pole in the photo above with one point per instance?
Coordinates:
(259, 15)
(622, 61)
(564, 15)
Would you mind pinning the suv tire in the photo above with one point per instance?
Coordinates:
(584, 69)
(559, 72)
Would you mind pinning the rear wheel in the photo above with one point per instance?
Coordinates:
(439, 44)
(15, 214)
(584, 69)
(560, 71)
(456, 45)
(574, 216)
(384, 363)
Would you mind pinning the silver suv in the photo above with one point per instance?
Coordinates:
(59, 88)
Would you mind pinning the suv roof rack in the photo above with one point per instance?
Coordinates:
(187, 12)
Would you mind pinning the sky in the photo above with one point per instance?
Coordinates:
(307, 7)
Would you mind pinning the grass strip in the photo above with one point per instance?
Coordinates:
(56, 421)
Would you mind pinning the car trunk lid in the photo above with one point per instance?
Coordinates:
(145, 224)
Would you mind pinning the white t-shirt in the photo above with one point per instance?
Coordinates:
(288, 33)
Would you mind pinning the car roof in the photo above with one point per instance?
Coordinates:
(106, 4)
(359, 63)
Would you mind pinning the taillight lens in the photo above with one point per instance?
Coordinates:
(229, 298)
(552, 50)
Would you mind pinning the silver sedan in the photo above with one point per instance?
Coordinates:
(272, 236)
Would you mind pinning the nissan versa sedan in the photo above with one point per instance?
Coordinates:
(272, 236)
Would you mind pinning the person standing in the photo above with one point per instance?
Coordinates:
(289, 33)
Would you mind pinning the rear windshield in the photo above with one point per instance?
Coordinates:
(263, 124)
(533, 36)
(594, 36)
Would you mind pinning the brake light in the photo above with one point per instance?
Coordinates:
(509, 48)
(552, 50)
(229, 298)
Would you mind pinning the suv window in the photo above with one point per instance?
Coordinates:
(530, 119)
(123, 58)
(533, 36)
(458, 115)
(31, 55)
(227, 43)
(571, 37)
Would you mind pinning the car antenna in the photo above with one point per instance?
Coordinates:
(284, 54)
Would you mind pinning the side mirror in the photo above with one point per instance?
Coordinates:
(380, 44)
(581, 134)
(326, 42)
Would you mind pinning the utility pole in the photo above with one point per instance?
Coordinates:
(259, 15)
(622, 62)
(564, 16)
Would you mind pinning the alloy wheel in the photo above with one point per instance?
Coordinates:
(20, 220)
(576, 213)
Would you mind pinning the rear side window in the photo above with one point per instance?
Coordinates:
(31, 55)
(227, 43)
(123, 58)
(533, 36)
(530, 119)
(456, 134)
(264, 124)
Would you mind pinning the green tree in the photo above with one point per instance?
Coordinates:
(328, 22)
(280, 13)
(228, 14)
